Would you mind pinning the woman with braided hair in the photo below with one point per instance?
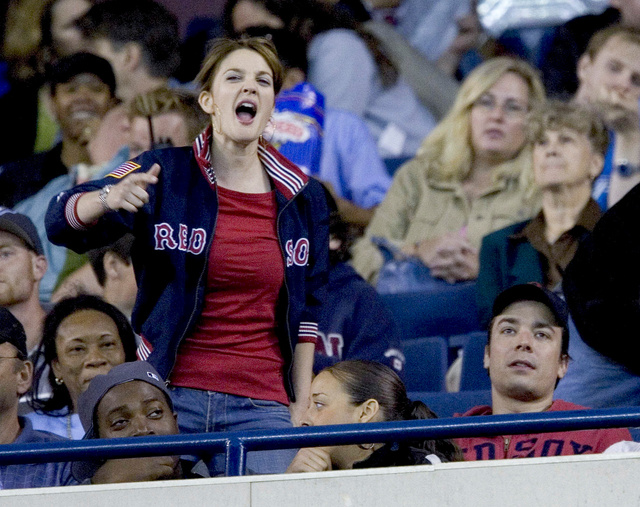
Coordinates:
(359, 392)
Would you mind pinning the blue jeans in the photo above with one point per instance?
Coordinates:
(209, 411)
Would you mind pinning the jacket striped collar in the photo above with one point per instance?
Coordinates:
(286, 176)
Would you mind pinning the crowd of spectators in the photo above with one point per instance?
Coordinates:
(198, 250)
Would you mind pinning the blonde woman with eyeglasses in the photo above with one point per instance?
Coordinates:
(471, 176)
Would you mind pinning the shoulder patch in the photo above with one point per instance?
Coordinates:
(124, 169)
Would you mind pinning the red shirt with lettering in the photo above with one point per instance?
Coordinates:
(234, 347)
(561, 443)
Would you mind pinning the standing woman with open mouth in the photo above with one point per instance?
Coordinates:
(231, 255)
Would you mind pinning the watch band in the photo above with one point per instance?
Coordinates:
(102, 196)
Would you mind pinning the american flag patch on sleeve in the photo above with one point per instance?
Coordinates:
(124, 169)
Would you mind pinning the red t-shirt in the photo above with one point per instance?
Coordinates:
(562, 443)
(234, 347)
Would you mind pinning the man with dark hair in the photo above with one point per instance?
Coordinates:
(526, 356)
(15, 380)
(82, 88)
(131, 400)
(139, 38)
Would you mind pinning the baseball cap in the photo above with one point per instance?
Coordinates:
(21, 225)
(100, 385)
(11, 331)
(70, 66)
(90, 399)
(533, 292)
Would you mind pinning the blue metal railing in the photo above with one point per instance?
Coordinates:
(237, 444)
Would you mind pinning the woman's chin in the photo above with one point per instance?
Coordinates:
(241, 136)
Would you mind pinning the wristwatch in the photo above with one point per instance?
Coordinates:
(102, 196)
(626, 169)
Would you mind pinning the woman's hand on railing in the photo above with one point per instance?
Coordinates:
(310, 459)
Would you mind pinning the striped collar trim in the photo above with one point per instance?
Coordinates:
(202, 151)
(287, 177)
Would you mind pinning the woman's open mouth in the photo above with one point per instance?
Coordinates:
(246, 112)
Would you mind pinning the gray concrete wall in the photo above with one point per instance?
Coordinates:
(567, 481)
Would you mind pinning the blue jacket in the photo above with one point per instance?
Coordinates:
(356, 324)
(173, 234)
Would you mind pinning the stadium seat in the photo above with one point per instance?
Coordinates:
(442, 313)
(426, 364)
(448, 404)
(474, 376)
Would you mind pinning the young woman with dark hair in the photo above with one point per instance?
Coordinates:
(360, 392)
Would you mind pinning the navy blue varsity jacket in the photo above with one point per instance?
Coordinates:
(173, 234)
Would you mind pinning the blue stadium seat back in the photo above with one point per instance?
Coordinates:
(426, 364)
(449, 404)
(474, 376)
(447, 312)
(393, 164)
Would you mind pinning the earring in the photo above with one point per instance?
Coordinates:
(269, 129)
(217, 112)
(59, 381)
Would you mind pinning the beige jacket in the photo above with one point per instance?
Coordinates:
(417, 208)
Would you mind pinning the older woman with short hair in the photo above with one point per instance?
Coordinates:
(569, 146)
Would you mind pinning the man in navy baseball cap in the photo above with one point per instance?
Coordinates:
(131, 400)
(526, 356)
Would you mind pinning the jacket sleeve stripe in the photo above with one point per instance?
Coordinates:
(308, 332)
(71, 214)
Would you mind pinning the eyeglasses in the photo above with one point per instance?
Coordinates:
(510, 107)
(12, 357)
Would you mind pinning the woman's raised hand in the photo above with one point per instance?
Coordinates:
(131, 193)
